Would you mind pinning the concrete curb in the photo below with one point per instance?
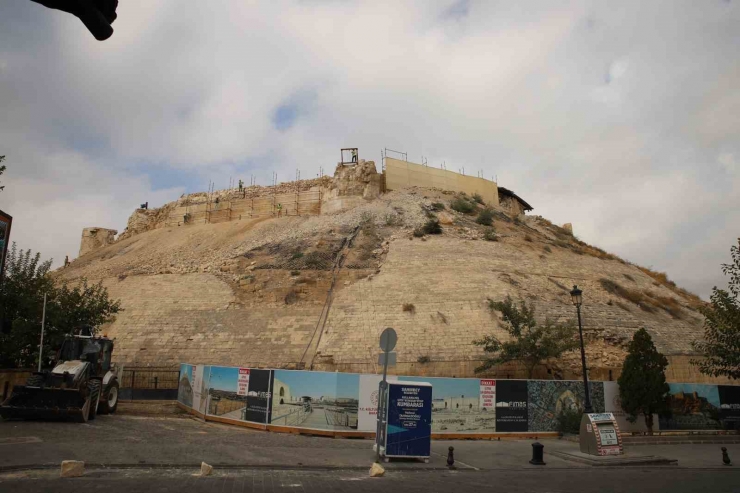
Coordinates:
(196, 466)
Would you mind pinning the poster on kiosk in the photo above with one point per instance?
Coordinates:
(409, 426)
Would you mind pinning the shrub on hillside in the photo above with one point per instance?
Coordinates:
(485, 217)
(462, 205)
(478, 198)
(490, 235)
(432, 227)
(438, 206)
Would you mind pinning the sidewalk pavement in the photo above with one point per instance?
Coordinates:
(135, 441)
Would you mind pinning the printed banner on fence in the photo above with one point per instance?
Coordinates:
(316, 400)
(456, 405)
(239, 393)
(487, 394)
(409, 420)
(185, 386)
(258, 397)
(367, 412)
(729, 398)
(511, 405)
(692, 407)
(243, 382)
(198, 396)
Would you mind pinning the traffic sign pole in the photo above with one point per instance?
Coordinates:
(388, 341)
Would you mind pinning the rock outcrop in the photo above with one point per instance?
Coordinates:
(95, 238)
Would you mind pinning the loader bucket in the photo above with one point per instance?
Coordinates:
(45, 403)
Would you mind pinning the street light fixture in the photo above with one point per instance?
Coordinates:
(577, 297)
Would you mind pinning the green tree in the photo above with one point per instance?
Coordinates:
(720, 347)
(25, 281)
(530, 342)
(2, 170)
(642, 386)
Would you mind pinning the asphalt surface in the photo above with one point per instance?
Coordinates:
(156, 450)
(542, 480)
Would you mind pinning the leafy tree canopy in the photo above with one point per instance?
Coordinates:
(530, 342)
(25, 281)
(720, 347)
(642, 385)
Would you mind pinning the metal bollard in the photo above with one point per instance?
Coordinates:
(451, 458)
(538, 453)
(725, 457)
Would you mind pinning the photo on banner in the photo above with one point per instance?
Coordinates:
(511, 405)
(185, 386)
(200, 388)
(457, 404)
(239, 393)
(547, 399)
(729, 398)
(692, 407)
(316, 400)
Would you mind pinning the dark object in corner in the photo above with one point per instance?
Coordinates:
(97, 15)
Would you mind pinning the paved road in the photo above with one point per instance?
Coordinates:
(589, 480)
(133, 440)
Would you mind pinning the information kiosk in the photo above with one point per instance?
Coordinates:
(408, 427)
(599, 435)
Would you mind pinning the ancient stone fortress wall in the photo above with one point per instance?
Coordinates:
(298, 198)
(94, 238)
(342, 404)
(400, 174)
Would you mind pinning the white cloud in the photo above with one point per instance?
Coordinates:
(728, 162)
(513, 91)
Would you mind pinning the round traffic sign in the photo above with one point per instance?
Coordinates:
(388, 339)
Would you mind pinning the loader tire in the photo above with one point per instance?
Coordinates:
(35, 381)
(110, 404)
(94, 387)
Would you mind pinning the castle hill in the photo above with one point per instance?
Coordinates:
(359, 246)
(226, 276)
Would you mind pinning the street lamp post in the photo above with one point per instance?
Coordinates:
(577, 297)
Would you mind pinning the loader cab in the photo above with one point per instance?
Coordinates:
(84, 346)
(106, 346)
(70, 349)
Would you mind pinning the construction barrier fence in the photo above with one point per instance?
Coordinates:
(345, 404)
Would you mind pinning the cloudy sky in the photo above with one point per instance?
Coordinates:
(620, 117)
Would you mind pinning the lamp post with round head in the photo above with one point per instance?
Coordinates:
(577, 296)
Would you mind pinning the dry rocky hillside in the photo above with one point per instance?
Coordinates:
(315, 291)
